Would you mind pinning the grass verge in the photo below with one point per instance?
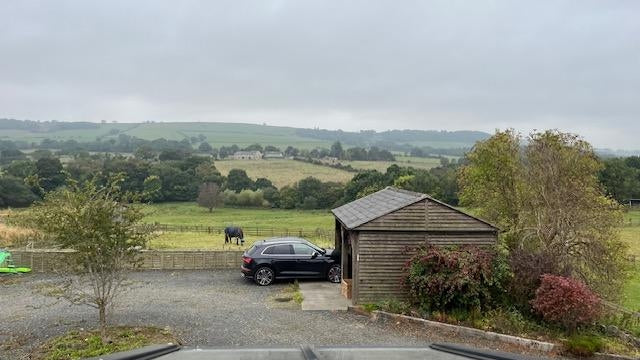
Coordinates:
(88, 343)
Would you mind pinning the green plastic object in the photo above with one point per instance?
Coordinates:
(10, 268)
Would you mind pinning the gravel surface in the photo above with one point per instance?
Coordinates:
(203, 308)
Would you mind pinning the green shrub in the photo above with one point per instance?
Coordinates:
(508, 321)
(245, 198)
(369, 307)
(583, 345)
(394, 306)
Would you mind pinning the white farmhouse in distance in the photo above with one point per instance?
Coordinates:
(247, 155)
(273, 155)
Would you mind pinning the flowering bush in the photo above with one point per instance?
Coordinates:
(444, 278)
(566, 301)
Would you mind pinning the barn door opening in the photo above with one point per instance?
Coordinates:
(346, 258)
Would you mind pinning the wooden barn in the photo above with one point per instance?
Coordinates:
(378, 233)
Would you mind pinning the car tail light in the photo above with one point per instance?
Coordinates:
(246, 260)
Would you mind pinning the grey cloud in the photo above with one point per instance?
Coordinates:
(351, 65)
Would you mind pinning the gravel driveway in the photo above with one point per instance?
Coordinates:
(208, 308)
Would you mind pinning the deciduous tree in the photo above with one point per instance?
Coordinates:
(210, 196)
(103, 228)
(546, 197)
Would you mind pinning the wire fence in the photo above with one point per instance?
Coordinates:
(316, 233)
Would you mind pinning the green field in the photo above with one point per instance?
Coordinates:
(416, 162)
(217, 133)
(191, 214)
(284, 172)
(631, 235)
(280, 221)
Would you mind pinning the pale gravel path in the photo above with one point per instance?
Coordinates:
(207, 308)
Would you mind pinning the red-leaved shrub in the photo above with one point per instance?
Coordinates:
(566, 301)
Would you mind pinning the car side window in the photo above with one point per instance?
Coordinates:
(279, 250)
(302, 249)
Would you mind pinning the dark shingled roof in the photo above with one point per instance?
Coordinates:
(373, 206)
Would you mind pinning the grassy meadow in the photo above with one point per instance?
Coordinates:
(218, 134)
(279, 220)
(631, 235)
(284, 172)
(191, 214)
(416, 162)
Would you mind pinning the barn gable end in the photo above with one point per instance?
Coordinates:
(380, 232)
(427, 215)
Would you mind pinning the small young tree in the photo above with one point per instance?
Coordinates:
(103, 228)
(210, 196)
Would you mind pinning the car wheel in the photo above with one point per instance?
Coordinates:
(264, 276)
(334, 274)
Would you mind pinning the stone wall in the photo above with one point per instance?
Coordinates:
(56, 260)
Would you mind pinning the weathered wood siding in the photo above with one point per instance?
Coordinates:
(441, 217)
(381, 255)
(426, 215)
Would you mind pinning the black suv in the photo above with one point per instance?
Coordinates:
(289, 258)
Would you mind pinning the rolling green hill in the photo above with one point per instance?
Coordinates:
(221, 134)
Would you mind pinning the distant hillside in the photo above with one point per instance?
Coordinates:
(225, 134)
(433, 138)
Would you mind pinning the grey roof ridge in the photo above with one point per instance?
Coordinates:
(420, 198)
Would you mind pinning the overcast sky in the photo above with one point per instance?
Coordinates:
(353, 65)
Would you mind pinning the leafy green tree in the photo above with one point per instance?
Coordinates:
(20, 169)
(173, 154)
(205, 147)
(272, 195)
(288, 197)
(14, 193)
(238, 180)
(254, 147)
(621, 181)
(152, 188)
(103, 229)
(263, 183)
(135, 172)
(271, 148)
(207, 172)
(371, 180)
(291, 151)
(49, 174)
(177, 185)
(9, 155)
(145, 152)
(309, 186)
(546, 197)
(336, 150)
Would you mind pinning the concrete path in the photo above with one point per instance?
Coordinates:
(322, 295)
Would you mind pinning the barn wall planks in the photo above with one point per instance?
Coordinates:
(54, 260)
(383, 254)
(426, 215)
